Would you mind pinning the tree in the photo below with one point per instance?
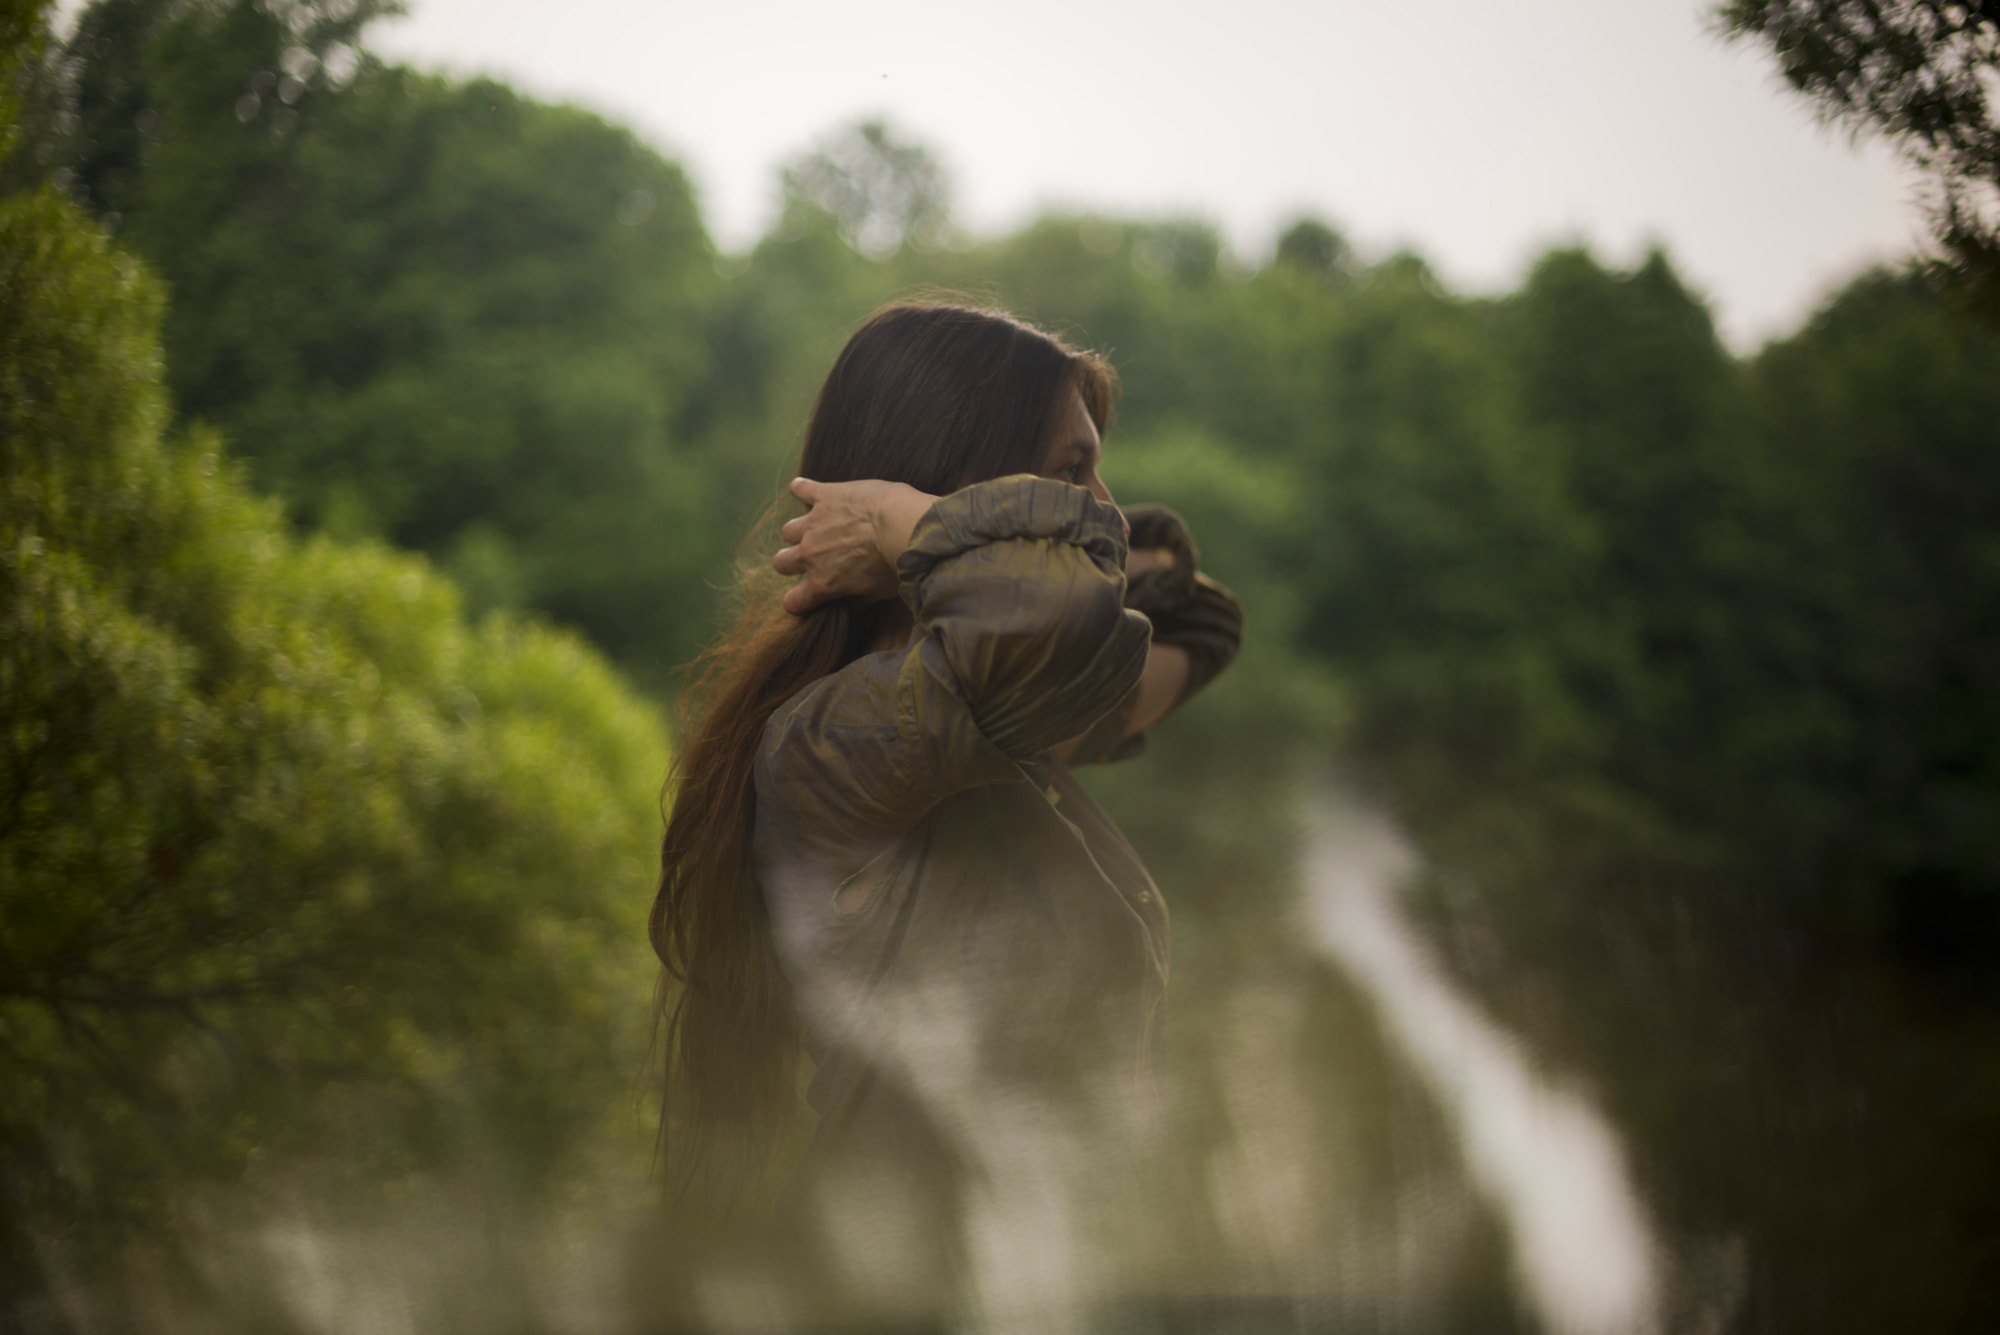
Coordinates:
(885, 192)
(1921, 73)
(1311, 247)
(287, 850)
(437, 312)
(1682, 670)
(1187, 250)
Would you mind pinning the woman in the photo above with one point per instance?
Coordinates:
(875, 848)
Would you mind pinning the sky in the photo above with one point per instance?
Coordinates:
(1476, 132)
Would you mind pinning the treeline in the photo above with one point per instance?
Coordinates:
(307, 881)
(1683, 666)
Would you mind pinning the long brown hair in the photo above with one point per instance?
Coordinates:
(933, 394)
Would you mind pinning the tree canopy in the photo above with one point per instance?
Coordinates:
(440, 313)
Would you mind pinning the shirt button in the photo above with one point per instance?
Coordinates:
(1144, 896)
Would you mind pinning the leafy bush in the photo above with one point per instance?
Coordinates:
(290, 856)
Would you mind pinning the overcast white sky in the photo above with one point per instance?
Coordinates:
(1476, 131)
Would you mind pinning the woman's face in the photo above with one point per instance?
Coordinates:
(1075, 449)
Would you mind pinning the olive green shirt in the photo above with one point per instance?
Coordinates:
(958, 919)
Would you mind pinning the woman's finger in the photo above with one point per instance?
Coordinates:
(789, 561)
(793, 530)
(804, 489)
(799, 599)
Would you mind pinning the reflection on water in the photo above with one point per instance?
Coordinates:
(1582, 1248)
(1354, 1146)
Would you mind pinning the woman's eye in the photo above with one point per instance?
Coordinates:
(1070, 472)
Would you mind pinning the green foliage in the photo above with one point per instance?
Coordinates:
(1922, 75)
(1526, 565)
(438, 312)
(22, 36)
(1312, 247)
(1878, 421)
(1757, 870)
(292, 860)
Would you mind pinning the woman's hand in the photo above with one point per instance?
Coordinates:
(846, 543)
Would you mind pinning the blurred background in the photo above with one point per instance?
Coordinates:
(1586, 885)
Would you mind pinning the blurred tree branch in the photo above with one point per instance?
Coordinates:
(1922, 74)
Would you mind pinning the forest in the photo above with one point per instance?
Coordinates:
(376, 447)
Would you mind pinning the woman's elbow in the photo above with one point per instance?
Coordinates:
(1063, 685)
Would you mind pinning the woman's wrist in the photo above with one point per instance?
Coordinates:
(894, 512)
(847, 542)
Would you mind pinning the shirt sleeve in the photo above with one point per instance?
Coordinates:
(1188, 610)
(1022, 640)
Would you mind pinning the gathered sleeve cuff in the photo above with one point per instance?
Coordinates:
(1017, 587)
(1187, 609)
(1021, 508)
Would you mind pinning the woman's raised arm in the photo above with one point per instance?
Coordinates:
(1016, 589)
(846, 543)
